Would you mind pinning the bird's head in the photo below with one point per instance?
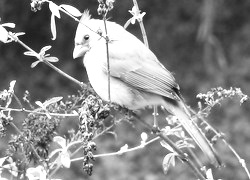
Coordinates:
(86, 34)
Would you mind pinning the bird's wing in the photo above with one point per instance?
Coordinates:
(136, 65)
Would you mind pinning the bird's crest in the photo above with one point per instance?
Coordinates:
(85, 16)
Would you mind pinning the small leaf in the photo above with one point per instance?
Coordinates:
(53, 27)
(209, 175)
(72, 10)
(52, 59)
(168, 160)
(123, 149)
(52, 101)
(19, 33)
(12, 168)
(127, 23)
(144, 137)
(167, 146)
(30, 53)
(54, 9)
(2, 160)
(65, 159)
(45, 48)
(36, 173)
(54, 152)
(39, 103)
(60, 140)
(3, 34)
(10, 25)
(12, 85)
(34, 64)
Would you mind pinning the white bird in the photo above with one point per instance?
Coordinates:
(137, 78)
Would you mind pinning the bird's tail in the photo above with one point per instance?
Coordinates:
(184, 118)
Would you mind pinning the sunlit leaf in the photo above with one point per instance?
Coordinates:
(39, 103)
(34, 64)
(123, 148)
(3, 34)
(19, 33)
(12, 168)
(12, 85)
(65, 159)
(167, 146)
(10, 25)
(168, 160)
(30, 53)
(52, 59)
(53, 27)
(2, 160)
(45, 48)
(72, 10)
(54, 9)
(60, 140)
(52, 101)
(36, 173)
(127, 23)
(144, 137)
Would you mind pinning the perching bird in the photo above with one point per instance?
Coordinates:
(137, 78)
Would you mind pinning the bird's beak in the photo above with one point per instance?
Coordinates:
(79, 50)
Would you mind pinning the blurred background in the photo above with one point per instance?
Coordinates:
(205, 43)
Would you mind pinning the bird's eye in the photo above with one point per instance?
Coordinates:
(86, 37)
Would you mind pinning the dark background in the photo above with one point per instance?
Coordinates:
(205, 44)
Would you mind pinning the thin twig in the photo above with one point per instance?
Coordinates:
(241, 161)
(54, 171)
(144, 35)
(36, 112)
(145, 40)
(107, 51)
(121, 152)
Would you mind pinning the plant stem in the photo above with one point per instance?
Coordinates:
(144, 35)
(36, 112)
(121, 152)
(107, 51)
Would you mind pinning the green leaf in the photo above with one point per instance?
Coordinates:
(34, 64)
(123, 149)
(30, 53)
(144, 137)
(72, 10)
(54, 9)
(3, 34)
(12, 85)
(52, 101)
(10, 25)
(52, 59)
(168, 160)
(167, 146)
(40, 104)
(45, 48)
(53, 27)
(60, 140)
(2, 160)
(19, 34)
(65, 159)
(209, 174)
